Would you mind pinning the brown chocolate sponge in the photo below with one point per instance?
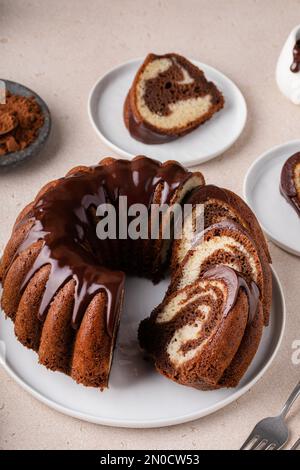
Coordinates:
(169, 97)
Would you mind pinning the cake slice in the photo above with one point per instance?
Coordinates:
(199, 328)
(218, 204)
(169, 97)
(230, 244)
(220, 250)
(290, 181)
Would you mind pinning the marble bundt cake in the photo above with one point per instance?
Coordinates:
(169, 97)
(290, 181)
(62, 286)
(191, 316)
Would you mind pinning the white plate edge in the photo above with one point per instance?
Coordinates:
(246, 192)
(163, 422)
(128, 155)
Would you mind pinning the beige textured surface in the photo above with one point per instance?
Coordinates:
(60, 51)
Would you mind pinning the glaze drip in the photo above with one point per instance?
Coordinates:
(62, 219)
(143, 134)
(234, 281)
(295, 67)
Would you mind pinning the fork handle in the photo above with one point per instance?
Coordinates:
(293, 396)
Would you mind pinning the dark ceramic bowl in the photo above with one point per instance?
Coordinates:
(34, 148)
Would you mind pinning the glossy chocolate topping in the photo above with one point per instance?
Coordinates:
(62, 220)
(206, 192)
(295, 67)
(234, 282)
(287, 182)
(142, 133)
(252, 286)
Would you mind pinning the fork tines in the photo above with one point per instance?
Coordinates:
(256, 442)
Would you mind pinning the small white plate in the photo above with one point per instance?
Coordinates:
(105, 109)
(138, 396)
(261, 191)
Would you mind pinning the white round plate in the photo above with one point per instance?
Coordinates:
(138, 396)
(261, 191)
(105, 109)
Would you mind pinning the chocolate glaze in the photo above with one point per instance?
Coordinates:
(295, 67)
(234, 282)
(287, 182)
(228, 224)
(61, 219)
(140, 132)
(207, 192)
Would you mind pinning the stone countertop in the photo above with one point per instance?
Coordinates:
(60, 49)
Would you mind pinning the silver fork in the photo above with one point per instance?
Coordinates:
(272, 433)
(296, 446)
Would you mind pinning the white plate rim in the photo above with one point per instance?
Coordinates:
(188, 163)
(246, 192)
(157, 423)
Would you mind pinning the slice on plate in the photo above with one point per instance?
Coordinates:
(290, 181)
(169, 97)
